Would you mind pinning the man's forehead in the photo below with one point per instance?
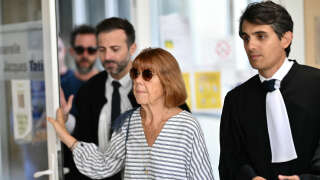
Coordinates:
(85, 38)
(251, 28)
(85, 35)
(118, 33)
(112, 37)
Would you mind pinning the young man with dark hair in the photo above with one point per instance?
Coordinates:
(270, 125)
(99, 101)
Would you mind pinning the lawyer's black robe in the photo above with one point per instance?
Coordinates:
(244, 140)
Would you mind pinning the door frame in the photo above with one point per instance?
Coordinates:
(51, 75)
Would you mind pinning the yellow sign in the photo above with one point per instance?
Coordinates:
(168, 44)
(208, 90)
(186, 78)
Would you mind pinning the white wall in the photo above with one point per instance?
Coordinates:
(295, 8)
(79, 12)
(141, 22)
(204, 26)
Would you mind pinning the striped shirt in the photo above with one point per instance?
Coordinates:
(179, 152)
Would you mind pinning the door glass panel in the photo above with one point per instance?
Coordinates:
(75, 13)
(22, 106)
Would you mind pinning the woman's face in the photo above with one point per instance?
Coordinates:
(147, 91)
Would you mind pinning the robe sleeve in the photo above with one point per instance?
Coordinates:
(234, 163)
(315, 167)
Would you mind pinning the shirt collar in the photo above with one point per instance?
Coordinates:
(281, 73)
(125, 81)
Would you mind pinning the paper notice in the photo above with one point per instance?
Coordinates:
(21, 105)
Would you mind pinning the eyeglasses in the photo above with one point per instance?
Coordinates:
(80, 50)
(146, 74)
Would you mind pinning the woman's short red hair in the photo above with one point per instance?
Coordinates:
(162, 63)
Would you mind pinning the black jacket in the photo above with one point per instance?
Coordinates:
(244, 140)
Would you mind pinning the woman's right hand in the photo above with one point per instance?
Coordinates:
(60, 128)
(65, 105)
(258, 178)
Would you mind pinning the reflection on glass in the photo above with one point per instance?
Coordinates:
(23, 90)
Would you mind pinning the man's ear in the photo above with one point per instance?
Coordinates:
(133, 49)
(286, 39)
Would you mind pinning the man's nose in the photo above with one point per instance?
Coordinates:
(85, 52)
(107, 55)
(251, 44)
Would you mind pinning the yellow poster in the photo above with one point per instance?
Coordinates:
(208, 90)
(186, 78)
(168, 44)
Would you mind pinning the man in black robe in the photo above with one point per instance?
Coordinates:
(270, 126)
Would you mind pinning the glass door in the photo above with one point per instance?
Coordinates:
(28, 89)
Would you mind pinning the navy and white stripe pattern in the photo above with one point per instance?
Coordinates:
(179, 152)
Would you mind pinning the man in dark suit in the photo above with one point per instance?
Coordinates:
(97, 99)
(270, 126)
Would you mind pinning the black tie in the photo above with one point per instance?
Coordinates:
(268, 85)
(115, 105)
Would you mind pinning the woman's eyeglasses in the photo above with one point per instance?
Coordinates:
(80, 50)
(146, 74)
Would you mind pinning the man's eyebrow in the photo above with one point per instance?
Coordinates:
(113, 46)
(257, 32)
(243, 34)
(260, 32)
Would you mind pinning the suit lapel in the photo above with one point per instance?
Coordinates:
(99, 99)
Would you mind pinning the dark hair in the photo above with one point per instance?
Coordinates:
(268, 13)
(167, 69)
(82, 29)
(115, 23)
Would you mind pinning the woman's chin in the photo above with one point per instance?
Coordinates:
(141, 101)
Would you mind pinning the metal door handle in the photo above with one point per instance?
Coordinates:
(49, 172)
(42, 173)
(66, 170)
(45, 172)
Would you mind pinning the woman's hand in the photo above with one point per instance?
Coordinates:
(294, 177)
(258, 178)
(60, 128)
(66, 106)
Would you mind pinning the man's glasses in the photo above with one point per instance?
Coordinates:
(80, 50)
(146, 74)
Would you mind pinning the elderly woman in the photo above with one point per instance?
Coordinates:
(156, 141)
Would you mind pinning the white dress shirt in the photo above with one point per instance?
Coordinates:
(280, 136)
(105, 114)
